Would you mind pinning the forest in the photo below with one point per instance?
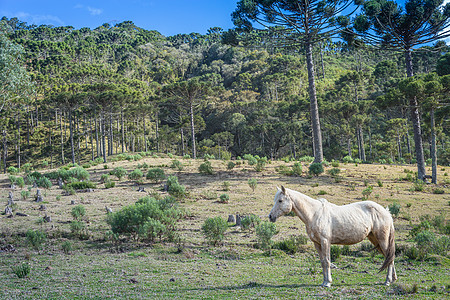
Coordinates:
(77, 95)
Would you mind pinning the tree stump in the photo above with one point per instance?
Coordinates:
(42, 207)
(108, 210)
(8, 211)
(21, 214)
(38, 197)
(10, 199)
(141, 189)
(231, 219)
(238, 220)
(72, 202)
(47, 219)
(60, 183)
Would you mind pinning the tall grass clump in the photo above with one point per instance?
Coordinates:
(156, 174)
(252, 183)
(119, 172)
(264, 232)
(174, 188)
(206, 168)
(35, 238)
(21, 270)
(315, 169)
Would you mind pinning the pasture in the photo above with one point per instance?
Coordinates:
(191, 268)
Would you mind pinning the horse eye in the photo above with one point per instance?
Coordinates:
(280, 201)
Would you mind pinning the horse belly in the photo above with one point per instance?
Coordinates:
(349, 235)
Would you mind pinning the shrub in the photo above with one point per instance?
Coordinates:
(80, 185)
(66, 247)
(284, 170)
(334, 172)
(79, 173)
(251, 159)
(35, 238)
(78, 212)
(438, 191)
(206, 168)
(44, 182)
(21, 270)
(136, 220)
(306, 159)
(174, 188)
(292, 245)
(156, 174)
(347, 159)
(419, 186)
(252, 183)
(214, 229)
(394, 209)
(224, 198)
(186, 156)
(250, 221)
(264, 232)
(104, 178)
(109, 184)
(380, 183)
(231, 165)
(13, 170)
(335, 252)
(226, 185)
(178, 165)
(335, 164)
(297, 169)
(315, 169)
(119, 172)
(136, 175)
(322, 192)
(78, 228)
(25, 194)
(260, 164)
(366, 192)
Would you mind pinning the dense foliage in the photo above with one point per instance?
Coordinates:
(121, 88)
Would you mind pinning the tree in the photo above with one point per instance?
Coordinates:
(189, 94)
(15, 82)
(420, 22)
(306, 23)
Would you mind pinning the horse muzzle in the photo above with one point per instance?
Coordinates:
(272, 218)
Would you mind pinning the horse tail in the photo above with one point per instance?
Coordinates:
(390, 253)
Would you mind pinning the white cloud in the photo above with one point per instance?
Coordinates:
(92, 10)
(36, 19)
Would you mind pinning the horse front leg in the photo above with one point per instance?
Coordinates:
(324, 254)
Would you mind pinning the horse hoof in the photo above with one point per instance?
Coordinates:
(326, 284)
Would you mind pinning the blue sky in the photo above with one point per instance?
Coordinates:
(166, 16)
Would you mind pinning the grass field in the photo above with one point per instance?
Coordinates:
(236, 269)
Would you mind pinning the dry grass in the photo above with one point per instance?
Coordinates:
(238, 245)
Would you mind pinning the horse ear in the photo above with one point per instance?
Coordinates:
(278, 189)
(283, 190)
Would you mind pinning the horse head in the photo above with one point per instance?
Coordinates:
(282, 204)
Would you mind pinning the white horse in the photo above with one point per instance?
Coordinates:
(327, 224)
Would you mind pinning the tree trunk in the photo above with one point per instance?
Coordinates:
(433, 149)
(361, 141)
(62, 138)
(97, 142)
(157, 131)
(123, 131)
(102, 126)
(315, 121)
(182, 142)
(92, 139)
(415, 118)
(194, 150)
(5, 150)
(72, 146)
(145, 137)
(18, 139)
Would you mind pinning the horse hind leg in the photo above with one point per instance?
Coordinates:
(384, 242)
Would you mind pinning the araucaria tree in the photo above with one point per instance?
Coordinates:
(306, 23)
(420, 22)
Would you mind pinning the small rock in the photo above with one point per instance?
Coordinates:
(47, 219)
(141, 189)
(133, 280)
(42, 207)
(108, 210)
(72, 202)
(21, 214)
(48, 268)
(231, 219)
(238, 220)
(172, 279)
(8, 211)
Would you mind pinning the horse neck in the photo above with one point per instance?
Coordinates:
(304, 206)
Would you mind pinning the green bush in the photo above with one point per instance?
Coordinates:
(156, 174)
(252, 183)
(109, 184)
(13, 170)
(44, 182)
(335, 252)
(177, 165)
(21, 270)
(334, 172)
(119, 172)
(347, 159)
(176, 190)
(335, 164)
(79, 185)
(250, 221)
(66, 247)
(315, 169)
(136, 175)
(306, 159)
(78, 212)
(206, 168)
(419, 186)
(230, 165)
(79, 173)
(226, 185)
(135, 220)
(224, 198)
(25, 194)
(214, 229)
(292, 245)
(260, 164)
(251, 159)
(78, 228)
(366, 192)
(297, 169)
(264, 232)
(35, 238)
(104, 178)
(394, 209)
